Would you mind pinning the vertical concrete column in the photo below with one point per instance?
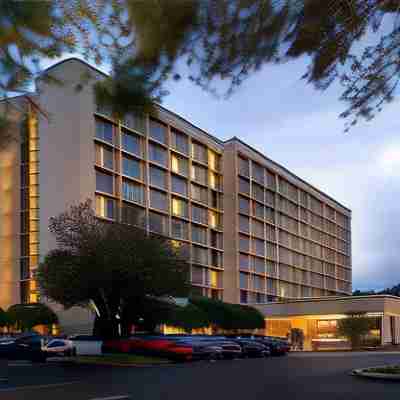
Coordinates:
(386, 334)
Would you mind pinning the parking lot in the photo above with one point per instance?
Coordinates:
(296, 376)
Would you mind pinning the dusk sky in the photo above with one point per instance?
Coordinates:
(290, 122)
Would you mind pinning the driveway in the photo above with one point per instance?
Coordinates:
(297, 376)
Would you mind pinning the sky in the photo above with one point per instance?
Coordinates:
(289, 121)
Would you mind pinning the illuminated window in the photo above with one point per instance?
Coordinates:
(179, 207)
(213, 160)
(214, 219)
(212, 278)
(105, 207)
(214, 180)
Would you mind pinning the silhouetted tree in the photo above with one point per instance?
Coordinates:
(227, 39)
(112, 266)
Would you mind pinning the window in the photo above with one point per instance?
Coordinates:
(199, 234)
(158, 223)
(270, 180)
(244, 280)
(104, 157)
(258, 247)
(244, 186)
(258, 265)
(135, 121)
(244, 167)
(199, 152)
(179, 165)
(243, 297)
(244, 243)
(244, 205)
(24, 220)
(158, 177)
(158, 131)
(179, 185)
(216, 200)
(199, 174)
(258, 209)
(199, 193)
(214, 160)
(158, 154)
(179, 141)
(199, 214)
(132, 191)
(216, 240)
(258, 192)
(257, 228)
(244, 262)
(199, 255)
(214, 180)
(24, 268)
(258, 173)
(270, 198)
(104, 182)
(131, 167)
(244, 224)
(158, 200)
(214, 219)
(179, 229)
(216, 258)
(131, 143)
(197, 275)
(104, 130)
(179, 207)
(105, 207)
(133, 215)
(258, 283)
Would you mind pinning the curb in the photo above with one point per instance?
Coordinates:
(363, 373)
(114, 364)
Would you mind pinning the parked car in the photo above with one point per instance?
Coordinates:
(277, 347)
(60, 347)
(203, 349)
(252, 348)
(25, 347)
(230, 349)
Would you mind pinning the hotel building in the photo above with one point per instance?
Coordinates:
(253, 231)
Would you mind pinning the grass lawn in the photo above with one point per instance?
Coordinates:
(390, 369)
(121, 359)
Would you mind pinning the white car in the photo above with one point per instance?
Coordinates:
(60, 347)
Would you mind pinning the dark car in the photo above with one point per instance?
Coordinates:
(27, 347)
(230, 349)
(277, 347)
(252, 348)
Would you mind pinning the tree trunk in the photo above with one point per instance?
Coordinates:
(106, 328)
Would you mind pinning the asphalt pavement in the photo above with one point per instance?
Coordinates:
(297, 376)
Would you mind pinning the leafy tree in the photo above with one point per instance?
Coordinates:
(354, 327)
(229, 316)
(4, 320)
(226, 39)
(113, 266)
(26, 316)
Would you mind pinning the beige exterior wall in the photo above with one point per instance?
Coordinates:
(10, 216)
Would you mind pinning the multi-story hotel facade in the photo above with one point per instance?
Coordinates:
(253, 231)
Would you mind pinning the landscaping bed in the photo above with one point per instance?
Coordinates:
(385, 372)
(120, 360)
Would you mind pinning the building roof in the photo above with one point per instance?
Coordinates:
(213, 137)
